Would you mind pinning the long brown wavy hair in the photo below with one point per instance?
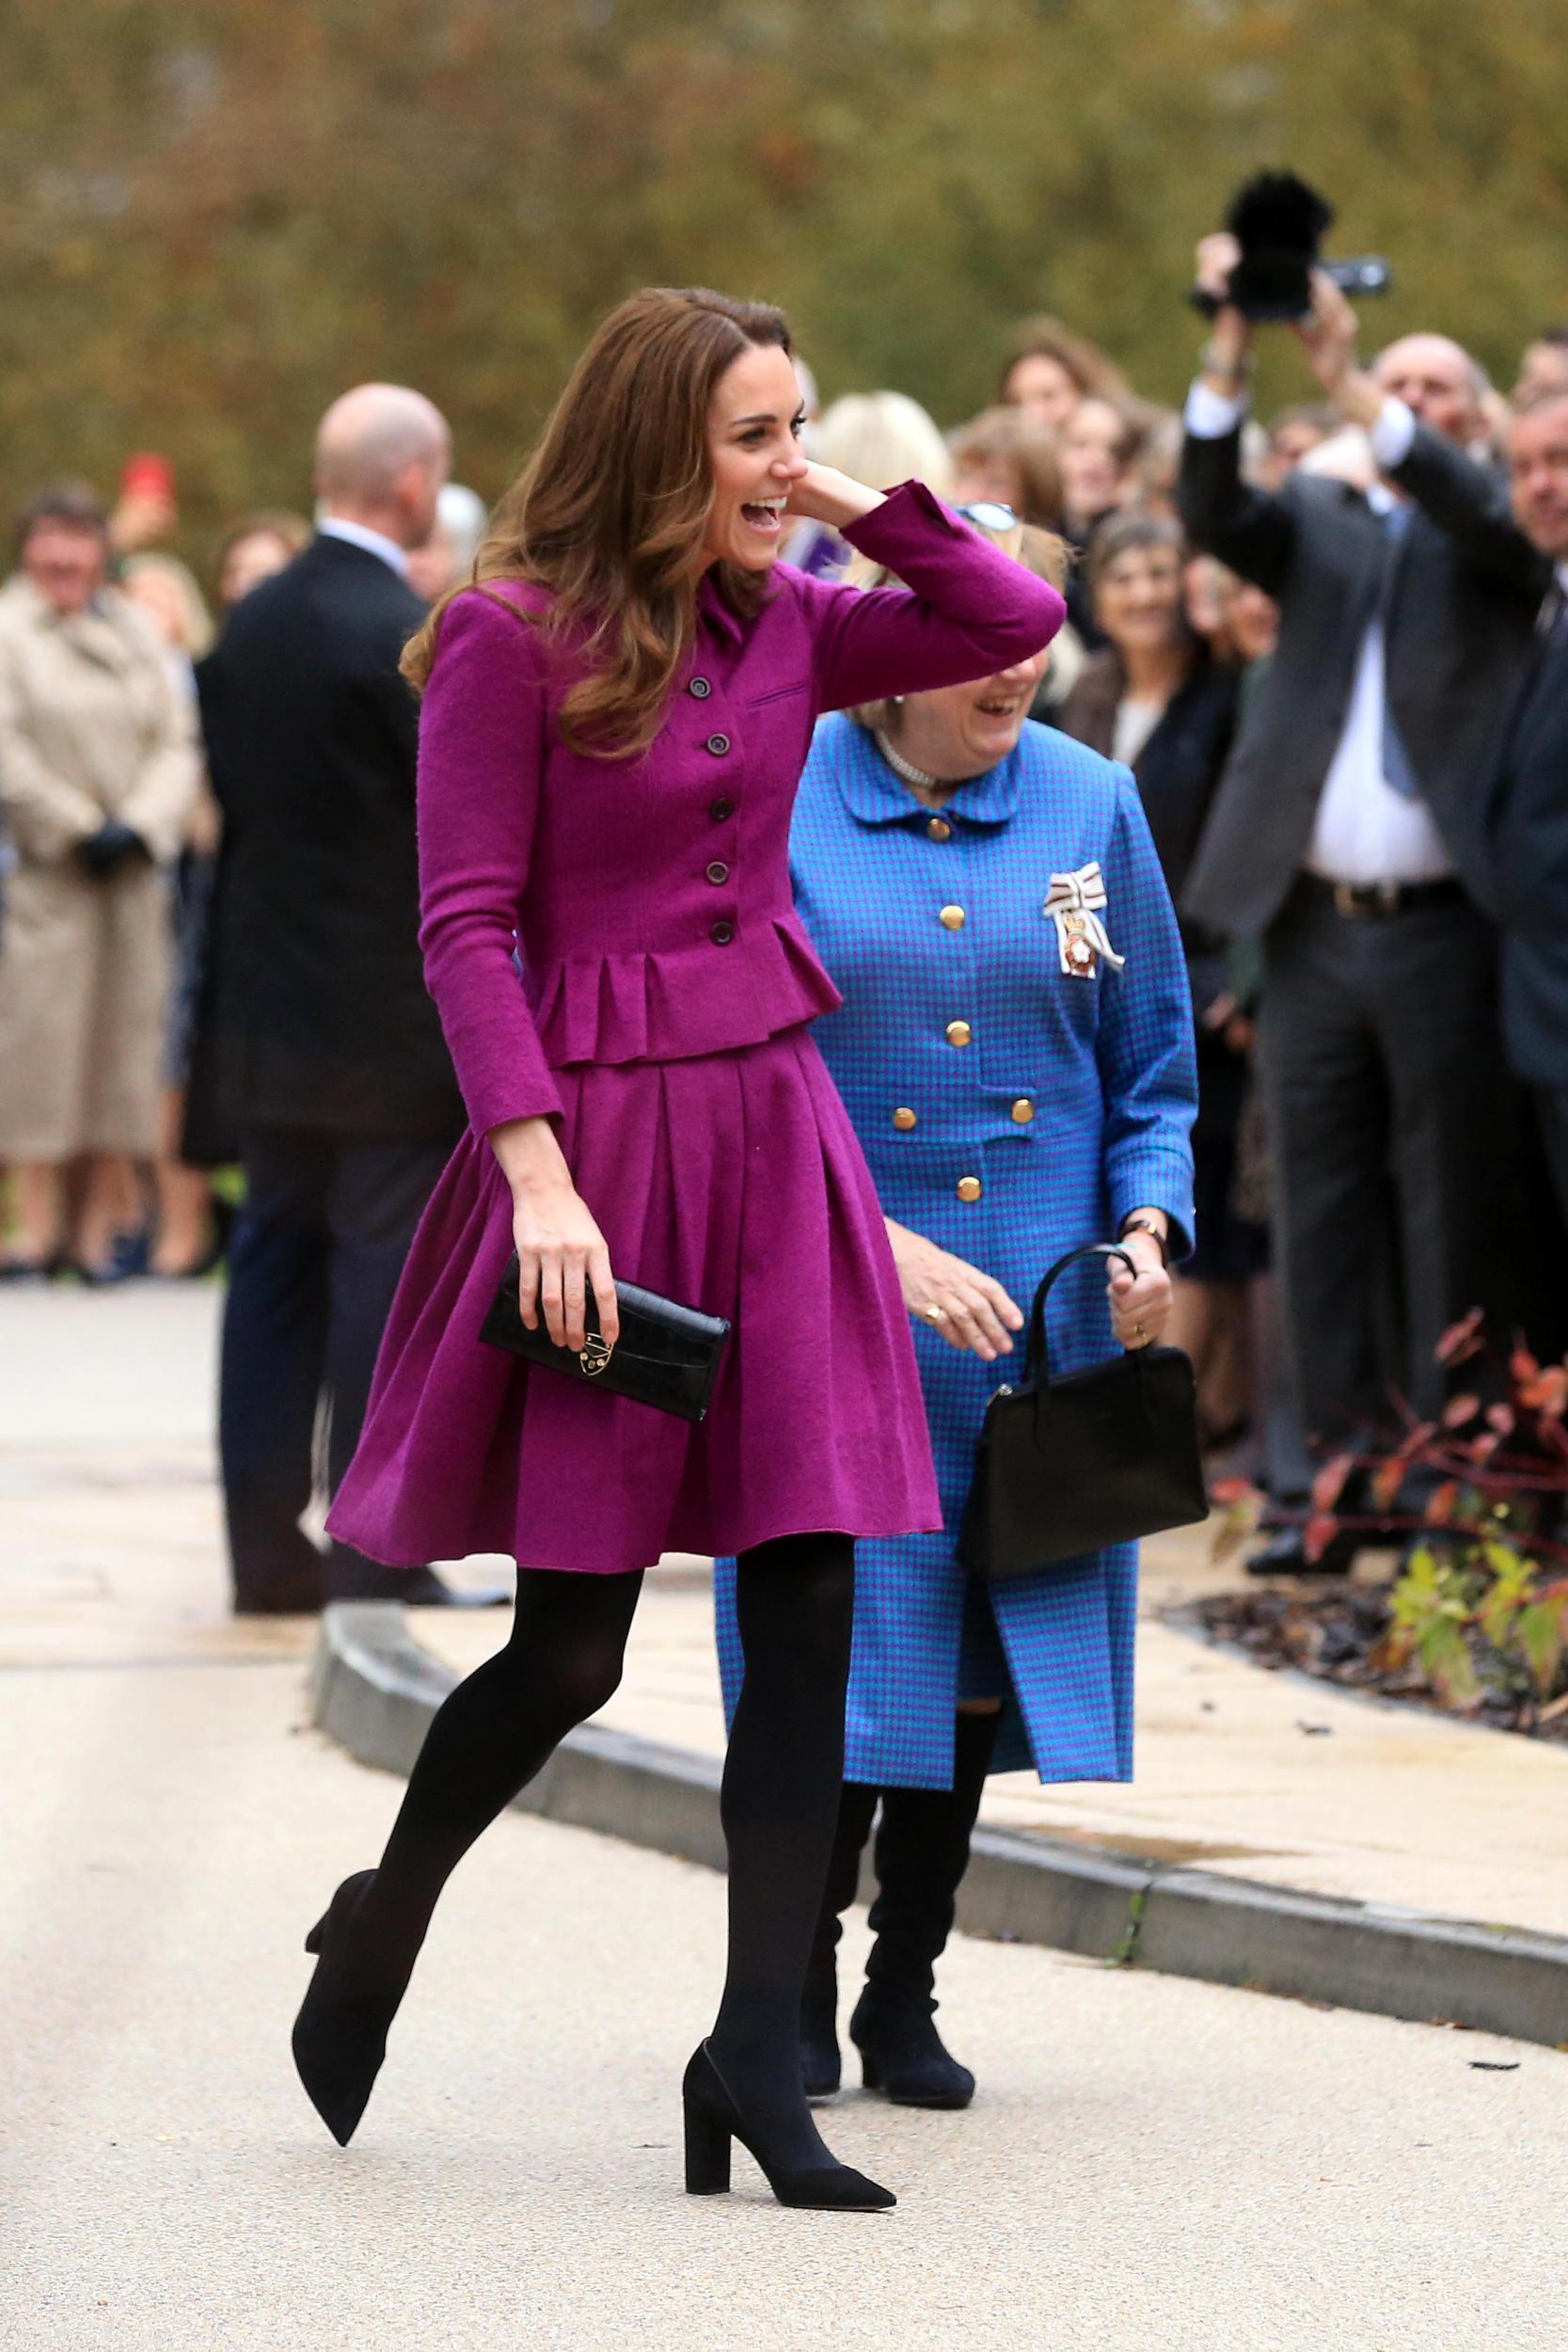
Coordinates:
(609, 511)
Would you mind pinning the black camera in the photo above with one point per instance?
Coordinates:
(1279, 222)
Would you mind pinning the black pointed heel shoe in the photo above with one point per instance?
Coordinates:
(339, 2036)
(713, 2120)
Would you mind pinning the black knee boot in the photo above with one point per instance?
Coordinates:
(921, 1854)
(819, 2059)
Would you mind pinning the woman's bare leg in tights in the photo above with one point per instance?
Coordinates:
(487, 1741)
(489, 1738)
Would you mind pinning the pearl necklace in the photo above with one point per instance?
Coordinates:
(907, 769)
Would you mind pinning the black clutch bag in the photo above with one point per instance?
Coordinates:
(667, 1356)
(1097, 1457)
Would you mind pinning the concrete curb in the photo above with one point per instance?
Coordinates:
(374, 1689)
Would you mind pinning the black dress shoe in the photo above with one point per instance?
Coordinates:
(416, 1588)
(1285, 1554)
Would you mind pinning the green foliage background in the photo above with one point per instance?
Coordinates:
(213, 217)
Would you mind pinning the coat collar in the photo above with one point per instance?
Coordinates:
(715, 617)
(873, 793)
(108, 631)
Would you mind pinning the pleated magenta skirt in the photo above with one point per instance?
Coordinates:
(735, 1184)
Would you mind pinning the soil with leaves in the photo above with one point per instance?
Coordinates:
(1475, 1621)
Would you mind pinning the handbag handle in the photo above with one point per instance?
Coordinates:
(1037, 1354)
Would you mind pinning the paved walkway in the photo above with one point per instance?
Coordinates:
(110, 1548)
(1153, 2166)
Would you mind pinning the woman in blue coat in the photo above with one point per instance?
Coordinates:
(1015, 1051)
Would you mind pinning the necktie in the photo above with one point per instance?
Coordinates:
(1398, 772)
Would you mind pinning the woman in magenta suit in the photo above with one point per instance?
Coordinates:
(614, 722)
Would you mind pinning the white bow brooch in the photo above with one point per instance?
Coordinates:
(1074, 906)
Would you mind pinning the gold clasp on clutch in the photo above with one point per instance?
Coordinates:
(594, 1355)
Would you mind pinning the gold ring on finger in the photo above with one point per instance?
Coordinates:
(937, 1314)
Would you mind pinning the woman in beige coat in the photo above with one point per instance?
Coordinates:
(98, 773)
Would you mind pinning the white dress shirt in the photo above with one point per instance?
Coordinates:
(362, 535)
(1364, 831)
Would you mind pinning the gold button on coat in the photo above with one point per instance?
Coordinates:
(953, 918)
(938, 829)
(904, 1121)
(958, 1033)
(1023, 1111)
(970, 1189)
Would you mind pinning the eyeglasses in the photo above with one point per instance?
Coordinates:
(988, 514)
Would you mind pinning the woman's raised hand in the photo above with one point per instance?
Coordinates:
(954, 1298)
(824, 495)
(562, 1254)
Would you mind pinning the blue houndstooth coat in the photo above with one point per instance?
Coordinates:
(964, 1051)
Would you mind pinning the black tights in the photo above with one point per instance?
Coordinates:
(794, 1602)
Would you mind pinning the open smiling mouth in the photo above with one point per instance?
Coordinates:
(766, 515)
(1000, 710)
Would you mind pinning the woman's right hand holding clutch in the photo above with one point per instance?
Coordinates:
(561, 1253)
(965, 1307)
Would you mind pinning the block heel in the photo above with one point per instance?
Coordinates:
(713, 2120)
(707, 2153)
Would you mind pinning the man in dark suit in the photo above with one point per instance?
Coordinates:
(320, 1048)
(1350, 835)
(1529, 804)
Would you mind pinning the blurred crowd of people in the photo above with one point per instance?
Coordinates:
(108, 839)
(1310, 638)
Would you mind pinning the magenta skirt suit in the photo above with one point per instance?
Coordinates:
(613, 944)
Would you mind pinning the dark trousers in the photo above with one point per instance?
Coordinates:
(1389, 1111)
(313, 1262)
(1551, 1106)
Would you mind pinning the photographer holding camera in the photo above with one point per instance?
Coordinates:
(1349, 834)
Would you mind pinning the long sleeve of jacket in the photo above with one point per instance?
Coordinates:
(481, 754)
(1253, 531)
(966, 609)
(1146, 1054)
(45, 813)
(1470, 503)
(163, 792)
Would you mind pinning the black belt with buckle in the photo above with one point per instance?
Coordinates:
(1355, 901)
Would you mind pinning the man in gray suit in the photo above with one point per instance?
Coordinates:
(1350, 835)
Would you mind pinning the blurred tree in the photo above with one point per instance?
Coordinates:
(215, 213)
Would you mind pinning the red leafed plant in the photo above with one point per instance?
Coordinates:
(1477, 1615)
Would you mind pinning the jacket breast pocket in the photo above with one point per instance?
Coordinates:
(778, 727)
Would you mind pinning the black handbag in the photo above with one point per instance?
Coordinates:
(1097, 1457)
(667, 1356)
